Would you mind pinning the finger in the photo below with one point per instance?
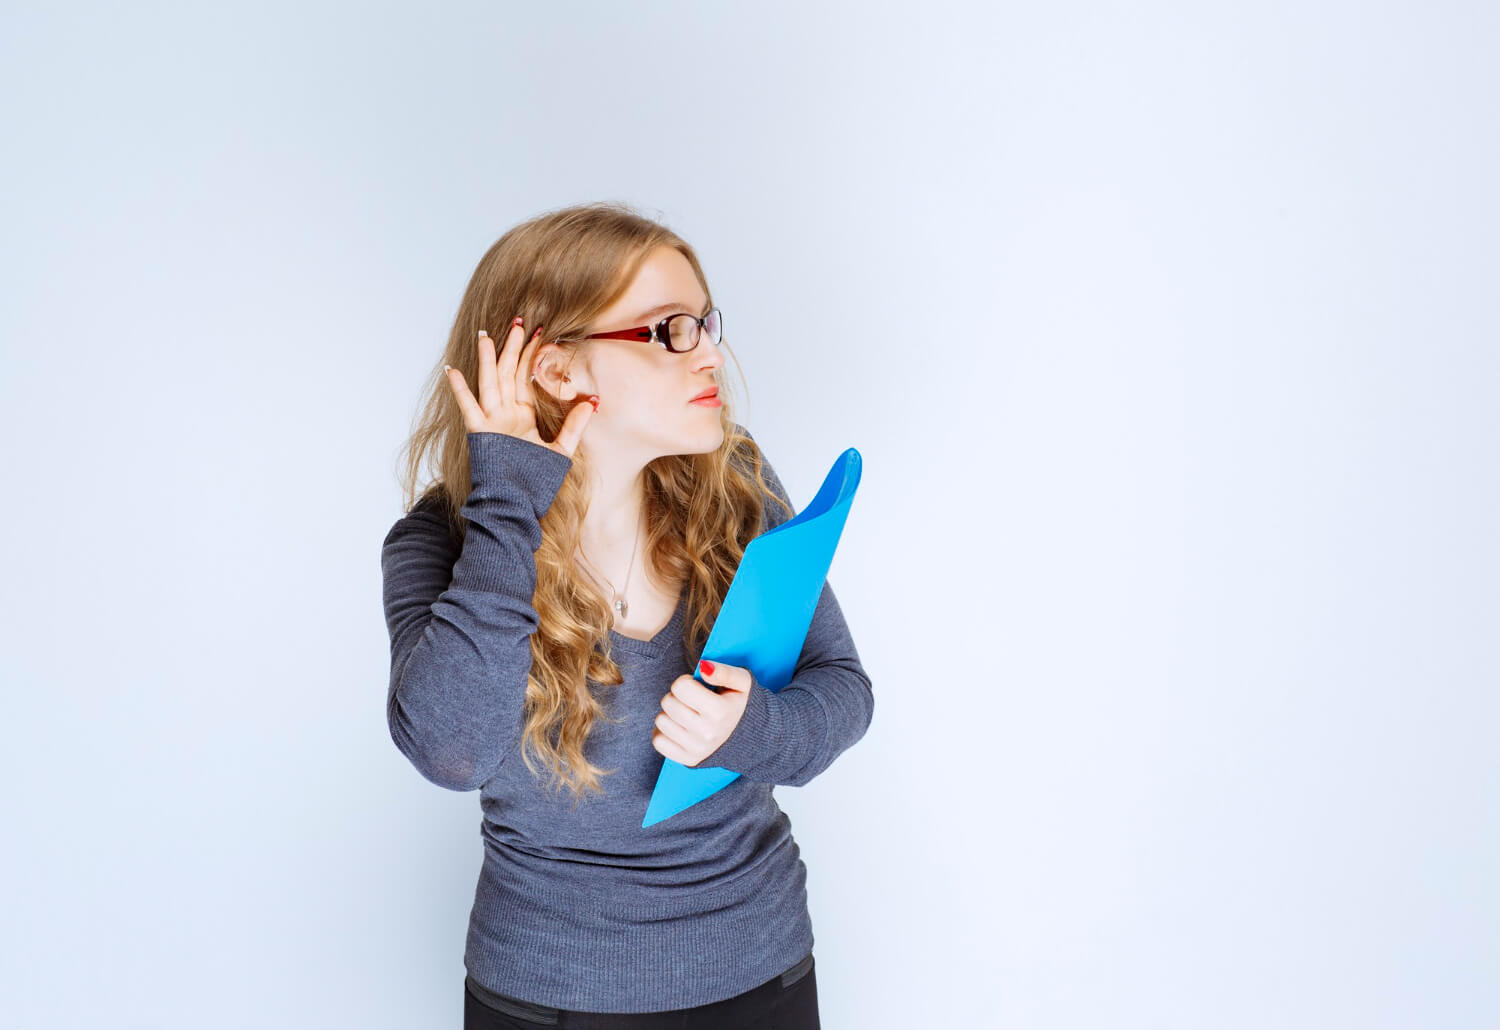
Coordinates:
(668, 748)
(505, 370)
(490, 378)
(673, 732)
(693, 694)
(571, 433)
(724, 676)
(523, 363)
(473, 416)
(486, 374)
(682, 714)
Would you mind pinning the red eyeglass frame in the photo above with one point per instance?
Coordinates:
(658, 332)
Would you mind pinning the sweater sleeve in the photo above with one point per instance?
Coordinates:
(787, 737)
(461, 619)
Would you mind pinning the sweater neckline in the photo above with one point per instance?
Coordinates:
(658, 644)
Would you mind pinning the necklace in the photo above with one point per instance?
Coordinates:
(621, 606)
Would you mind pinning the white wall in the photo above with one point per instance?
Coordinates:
(1166, 332)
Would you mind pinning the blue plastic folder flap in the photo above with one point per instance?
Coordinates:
(764, 619)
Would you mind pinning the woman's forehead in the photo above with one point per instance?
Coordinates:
(664, 283)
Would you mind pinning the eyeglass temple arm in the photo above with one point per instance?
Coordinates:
(642, 332)
(638, 333)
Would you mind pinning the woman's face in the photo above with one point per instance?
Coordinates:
(644, 389)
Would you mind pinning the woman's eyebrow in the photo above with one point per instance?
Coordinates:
(662, 309)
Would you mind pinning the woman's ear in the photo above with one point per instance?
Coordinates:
(545, 376)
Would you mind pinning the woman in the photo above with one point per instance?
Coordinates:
(546, 599)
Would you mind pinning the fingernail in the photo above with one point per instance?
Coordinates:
(594, 400)
(706, 666)
(516, 320)
(447, 367)
(484, 334)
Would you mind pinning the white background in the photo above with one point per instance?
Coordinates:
(1167, 334)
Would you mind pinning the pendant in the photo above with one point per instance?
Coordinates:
(621, 608)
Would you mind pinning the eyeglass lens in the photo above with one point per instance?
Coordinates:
(683, 332)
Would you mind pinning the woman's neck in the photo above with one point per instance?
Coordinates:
(613, 528)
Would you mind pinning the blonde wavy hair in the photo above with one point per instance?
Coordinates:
(560, 270)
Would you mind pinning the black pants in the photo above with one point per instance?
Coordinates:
(787, 1001)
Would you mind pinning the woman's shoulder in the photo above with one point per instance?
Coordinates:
(434, 501)
(429, 517)
(745, 448)
(746, 455)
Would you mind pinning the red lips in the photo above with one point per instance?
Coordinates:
(712, 391)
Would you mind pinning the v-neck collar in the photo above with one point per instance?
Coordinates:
(657, 645)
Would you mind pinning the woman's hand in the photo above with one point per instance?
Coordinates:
(694, 720)
(506, 403)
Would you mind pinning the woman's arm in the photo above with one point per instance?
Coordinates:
(461, 621)
(789, 736)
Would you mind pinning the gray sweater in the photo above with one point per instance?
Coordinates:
(585, 909)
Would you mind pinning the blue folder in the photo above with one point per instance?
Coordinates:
(764, 619)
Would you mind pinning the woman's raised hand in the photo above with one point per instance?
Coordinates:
(506, 403)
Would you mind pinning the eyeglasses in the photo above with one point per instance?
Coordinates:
(678, 333)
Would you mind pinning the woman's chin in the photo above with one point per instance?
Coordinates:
(706, 440)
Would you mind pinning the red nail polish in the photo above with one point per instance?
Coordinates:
(516, 320)
(594, 400)
(706, 666)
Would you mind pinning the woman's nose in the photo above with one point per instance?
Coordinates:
(708, 354)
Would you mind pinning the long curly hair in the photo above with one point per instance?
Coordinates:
(561, 269)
